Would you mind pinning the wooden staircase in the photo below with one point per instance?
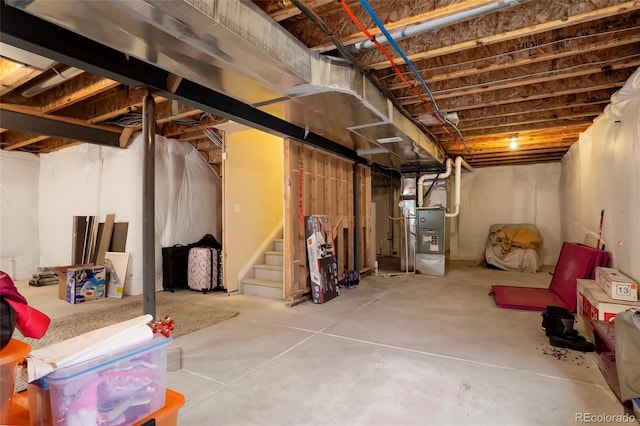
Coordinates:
(269, 276)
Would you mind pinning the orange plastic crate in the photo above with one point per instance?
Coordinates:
(19, 412)
(167, 415)
(10, 356)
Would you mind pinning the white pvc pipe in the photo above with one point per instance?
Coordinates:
(433, 176)
(406, 246)
(459, 163)
(433, 24)
(466, 165)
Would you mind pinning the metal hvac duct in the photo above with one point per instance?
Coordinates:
(235, 48)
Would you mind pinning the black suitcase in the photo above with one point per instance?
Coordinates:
(174, 267)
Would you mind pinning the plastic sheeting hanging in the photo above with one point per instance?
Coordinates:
(602, 171)
(19, 252)
(93, 180)
(507, 195)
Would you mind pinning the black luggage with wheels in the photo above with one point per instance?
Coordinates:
(175, 262)
(174, 267)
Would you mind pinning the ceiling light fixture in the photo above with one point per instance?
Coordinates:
(54, 80)
(514, 142)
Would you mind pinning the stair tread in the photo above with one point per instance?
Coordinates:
(268, 283)
(274, 252)
(272, 267)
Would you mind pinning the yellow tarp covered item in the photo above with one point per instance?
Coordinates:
(519, 237)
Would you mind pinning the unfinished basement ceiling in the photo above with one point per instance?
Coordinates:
(538, 71)
(95, 103)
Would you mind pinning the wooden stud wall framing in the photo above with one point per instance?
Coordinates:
(317, 182)
(366, 227)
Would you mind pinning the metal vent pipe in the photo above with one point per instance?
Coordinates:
(433, 24)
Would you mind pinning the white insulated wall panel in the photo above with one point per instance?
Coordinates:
(506, 194)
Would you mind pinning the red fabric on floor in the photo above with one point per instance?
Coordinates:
(575, 261)
(529, 298)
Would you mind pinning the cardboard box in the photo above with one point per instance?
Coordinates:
(583, 315)
(61, 272)
(86, 283)
(593, 303)
(616, 284)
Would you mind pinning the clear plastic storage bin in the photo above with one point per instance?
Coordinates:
(112, 390)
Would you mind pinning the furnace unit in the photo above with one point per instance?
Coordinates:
(430, 241)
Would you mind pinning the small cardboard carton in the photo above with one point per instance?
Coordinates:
(86, 283)
(616, 284)
(593, 303)
(61, 272)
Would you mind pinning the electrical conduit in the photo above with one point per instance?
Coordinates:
(365, 4)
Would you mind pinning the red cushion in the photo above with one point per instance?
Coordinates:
(529, 298)
(576, 261)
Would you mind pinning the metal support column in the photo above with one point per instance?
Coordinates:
(356, 217)
(148, 207)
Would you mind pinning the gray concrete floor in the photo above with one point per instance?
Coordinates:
(396, 350)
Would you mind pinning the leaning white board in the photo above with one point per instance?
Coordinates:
(120, 261)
